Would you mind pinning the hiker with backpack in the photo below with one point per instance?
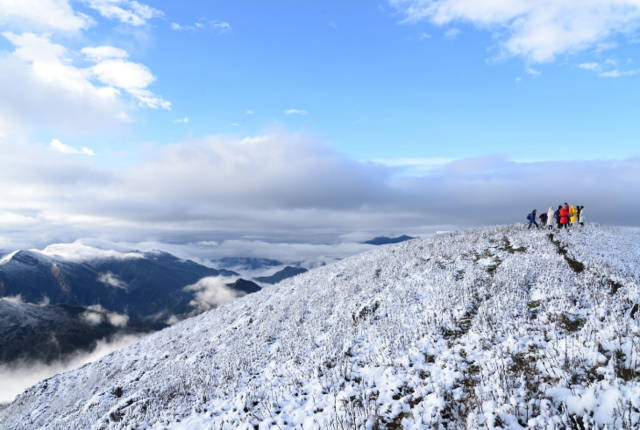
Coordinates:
(556, 216)
(532, 219)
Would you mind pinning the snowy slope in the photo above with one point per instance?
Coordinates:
(492, 328)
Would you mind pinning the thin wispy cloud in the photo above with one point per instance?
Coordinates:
(452, 33)
(608, 69)
(295, 112)
(618, 73)
(126, 11)
(590, 66)
(184, 120)
(538, 31)
(221, 26)
(187, 27)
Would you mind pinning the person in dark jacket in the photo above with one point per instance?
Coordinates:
(556, 215)
(532, 219)
(543, 219)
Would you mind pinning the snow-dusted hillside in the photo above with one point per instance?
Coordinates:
(491, 328)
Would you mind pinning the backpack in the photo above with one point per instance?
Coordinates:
(529, 216)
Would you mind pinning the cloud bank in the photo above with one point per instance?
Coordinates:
(282, 187)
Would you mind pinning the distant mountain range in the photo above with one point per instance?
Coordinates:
(66, 297)
(140, 285)
(246, 263)
(287, 272)
(383, 240)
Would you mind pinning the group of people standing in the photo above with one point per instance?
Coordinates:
(563, 217)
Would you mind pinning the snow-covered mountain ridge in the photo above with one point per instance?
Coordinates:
(491, 328)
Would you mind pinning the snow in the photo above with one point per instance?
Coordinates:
(490, 328)
(7, 258)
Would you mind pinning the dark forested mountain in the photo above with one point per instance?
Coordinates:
(60, 301)
(280, 275)
(246, 263)
(50, 332)
(383, 240)
(140, 285)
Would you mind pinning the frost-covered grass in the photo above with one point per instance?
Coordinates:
(491, 328)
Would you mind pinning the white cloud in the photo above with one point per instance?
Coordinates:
(40, 86)
(66, 149)
(424, 36)
(533, 72)
(93, 318)
(117, 320)
(184, 120)
(100, 53)
(414, 166)
(452, 33)
(57, 15)
(134, 78)
(79, 252)
(112, 280)
(17, 299)
(96, 314)
(589, 66)
(615, 73)
(608, 69)
(221, 26)
(537, 30)
(126, 11)
(210, 292)
(250, 112)
(295, 112)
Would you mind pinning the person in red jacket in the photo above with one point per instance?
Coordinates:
(564, 217)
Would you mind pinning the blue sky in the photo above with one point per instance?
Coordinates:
(372, 85)
(401, 99)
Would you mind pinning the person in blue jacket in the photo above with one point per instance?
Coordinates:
(532, 219)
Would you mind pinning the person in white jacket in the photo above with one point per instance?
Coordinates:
(550, 219)
(581, 216)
